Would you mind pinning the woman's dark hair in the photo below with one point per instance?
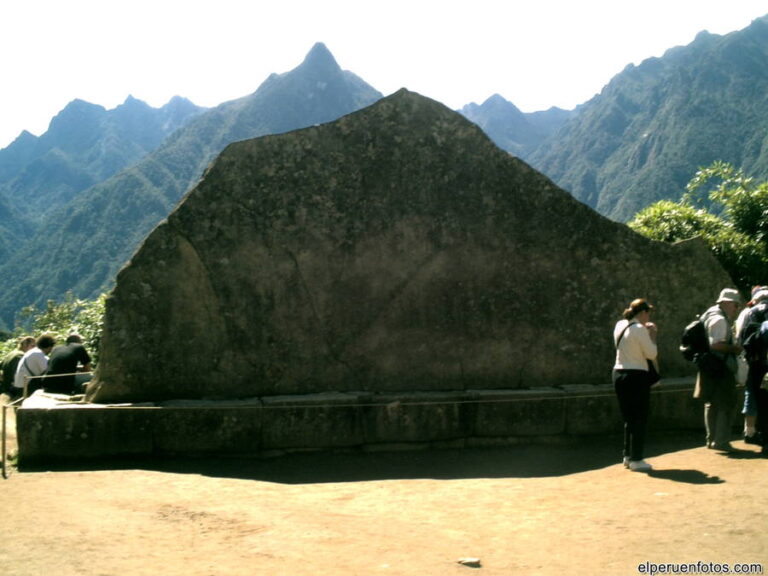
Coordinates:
(26, 341)
(635, 307)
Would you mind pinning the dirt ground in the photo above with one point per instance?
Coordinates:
(519, 510)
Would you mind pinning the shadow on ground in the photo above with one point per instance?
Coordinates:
(519, 461)
(686, 476)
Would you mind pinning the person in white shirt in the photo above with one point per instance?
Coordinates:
(635, 339)
(34, 363)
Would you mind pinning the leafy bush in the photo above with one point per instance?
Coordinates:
(727, 210)
(85, 317)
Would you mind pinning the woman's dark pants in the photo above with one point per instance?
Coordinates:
(634, 395)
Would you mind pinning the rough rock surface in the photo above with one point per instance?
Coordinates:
(395, 249)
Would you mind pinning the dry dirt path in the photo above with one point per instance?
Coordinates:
(521, 510)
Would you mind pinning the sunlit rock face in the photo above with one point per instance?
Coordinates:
(396, 249)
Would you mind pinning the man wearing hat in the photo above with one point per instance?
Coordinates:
(716, 381)
(748, 329)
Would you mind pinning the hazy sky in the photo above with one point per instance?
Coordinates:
(535, 53)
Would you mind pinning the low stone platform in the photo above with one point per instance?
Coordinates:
(55, 428)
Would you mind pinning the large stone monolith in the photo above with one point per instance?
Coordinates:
(396, 249)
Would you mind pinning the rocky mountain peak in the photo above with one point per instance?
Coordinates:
(320, 60)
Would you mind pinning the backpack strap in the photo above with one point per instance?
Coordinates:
(714, 311)
(29, 370)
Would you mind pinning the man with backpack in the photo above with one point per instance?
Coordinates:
(716, 381)
(751, 333)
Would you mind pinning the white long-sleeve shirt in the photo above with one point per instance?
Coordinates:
(635, 348)
(33, 363)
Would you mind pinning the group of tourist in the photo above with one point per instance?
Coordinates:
(40, 364)
(634, 372)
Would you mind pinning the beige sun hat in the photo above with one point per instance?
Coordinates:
(729, 295)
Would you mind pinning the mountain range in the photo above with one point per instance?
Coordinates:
(645, 135)
(80, 244)
(512, 130)
(76, 202)
(84, 145)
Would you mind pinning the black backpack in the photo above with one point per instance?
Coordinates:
(694, 342)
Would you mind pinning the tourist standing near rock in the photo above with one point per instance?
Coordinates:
(635, 339)
(716, 381)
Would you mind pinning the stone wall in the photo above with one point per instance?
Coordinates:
(50, 431)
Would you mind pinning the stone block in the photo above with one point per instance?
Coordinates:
(311, 421)
(507, 413)
(415, 417)
(591, 410)
(674, 407)
(67, 433)
(198, 428)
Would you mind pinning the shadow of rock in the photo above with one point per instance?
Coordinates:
(536, 460)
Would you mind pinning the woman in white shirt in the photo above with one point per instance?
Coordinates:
(635, 339)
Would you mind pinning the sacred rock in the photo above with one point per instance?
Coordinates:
(395, 249)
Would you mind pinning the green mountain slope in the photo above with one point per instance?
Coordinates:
(83, 145)
(645, 135)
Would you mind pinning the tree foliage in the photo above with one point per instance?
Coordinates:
(728, 210)
(86, 317)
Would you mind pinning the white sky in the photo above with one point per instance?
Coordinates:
(535, 53)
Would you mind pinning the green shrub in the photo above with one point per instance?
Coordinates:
(86, 317)
(727, 210)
